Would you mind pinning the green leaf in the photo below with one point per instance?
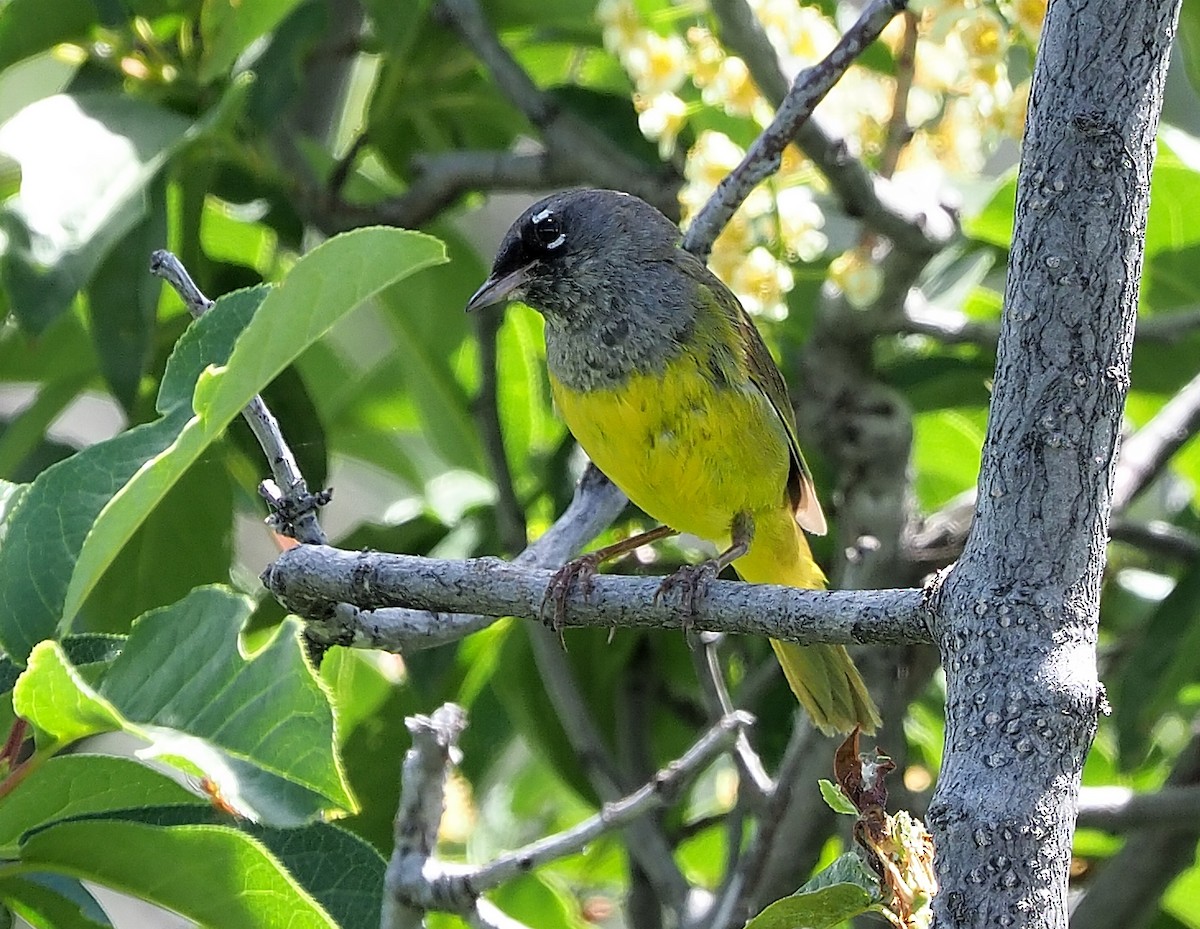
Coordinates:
(842, 891)
(47, 529)
(352, 891)
(58, 702)
(835, 798)
(28, 27)
(260, 730)
(67, 786)
(213, 875)
(228, 27)
(266, 719)
(160, 564)
(1189, 41)
(86, 161)
(51, 901)
(1164, 659)
(123, 302)
(326, 284)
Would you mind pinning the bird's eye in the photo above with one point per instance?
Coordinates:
(546, 230)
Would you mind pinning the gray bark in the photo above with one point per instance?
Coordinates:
(1017, 617)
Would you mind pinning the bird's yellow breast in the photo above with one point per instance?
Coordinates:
(690, 453)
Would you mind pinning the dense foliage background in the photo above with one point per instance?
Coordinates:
(239, 135)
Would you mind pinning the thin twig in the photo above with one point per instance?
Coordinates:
(898, 130)
(920, 228)
(763, 158)
(309, 577)
(293, 507)
(661, 791)
(1145, 453)
(1119, 809)
(567, 136)
(510, 515)
(1156, 537)
(753, 780)
(736, 898)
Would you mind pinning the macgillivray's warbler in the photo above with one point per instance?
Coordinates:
(665, 382)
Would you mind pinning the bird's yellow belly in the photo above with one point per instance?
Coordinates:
(689, 454)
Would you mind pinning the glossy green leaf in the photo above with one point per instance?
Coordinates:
(52, 901)
(58, 702)
(67, 786)
(213, 875)
(229, 27)
(342, 872)
(266, 719)
(28, 27)
(47, 529)
(86, 162)
(1164, 659)
(122, 302)
(835, 798)
(842, 891)
(326, 284)
(260, 730)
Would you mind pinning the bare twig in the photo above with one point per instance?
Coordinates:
(661, 791)
(763, 158)
(568, 137)
(596, 503)
(1147, 451)
(754, 779)
(422, 797)
(1119, 809)
(309, 577)
(510, 515)
(1157, 537)
(1126, 889)
(439, 180)
(921, 228)
(898, 130)
(293, 508)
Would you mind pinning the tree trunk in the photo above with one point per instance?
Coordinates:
(1017, 616)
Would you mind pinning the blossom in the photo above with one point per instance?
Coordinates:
(657, 64)
(660, 118)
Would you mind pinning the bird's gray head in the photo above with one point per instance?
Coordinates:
(576, 252)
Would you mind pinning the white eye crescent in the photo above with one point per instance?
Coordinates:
(546, 230)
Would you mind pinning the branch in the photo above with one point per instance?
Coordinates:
(438, 181)
(417, 881)
(661, 791)
(567, 137)
(293, 508)
(1147, 451)
(919, 228)
(597, 502)
(952, 328)
(1119, 809)
(308, 578)
(422, 799)
(898, 130)
(1127, 887)
(510, 515)
(763, 158)
(1156, 537)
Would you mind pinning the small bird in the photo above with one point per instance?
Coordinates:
(664, 381)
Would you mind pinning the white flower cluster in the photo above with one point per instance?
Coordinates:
(960, 105)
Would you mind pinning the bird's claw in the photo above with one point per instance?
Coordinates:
(692, 582)
(582, 570)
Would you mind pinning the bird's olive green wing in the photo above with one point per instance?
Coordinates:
(764, 374)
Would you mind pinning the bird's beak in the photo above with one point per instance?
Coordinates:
(497, 289)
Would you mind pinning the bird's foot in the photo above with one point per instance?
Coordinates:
(582, 570)
(692, 582)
